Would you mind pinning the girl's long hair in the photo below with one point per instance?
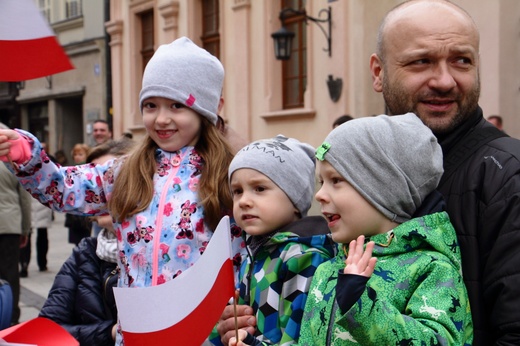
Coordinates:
(133, 187)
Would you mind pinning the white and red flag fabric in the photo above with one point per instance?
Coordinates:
(182, 311)
(28, 46)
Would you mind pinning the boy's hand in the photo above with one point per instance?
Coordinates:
(5, 137)
(360, 261)
(245, 319)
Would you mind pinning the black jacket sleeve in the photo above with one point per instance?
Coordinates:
(500, 222)
(349, 289)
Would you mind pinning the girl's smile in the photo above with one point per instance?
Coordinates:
(171, 124)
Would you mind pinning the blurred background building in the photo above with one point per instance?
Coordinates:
(59, 109)
(327, 75)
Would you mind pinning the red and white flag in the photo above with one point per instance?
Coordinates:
(182, 311)
(28, 46)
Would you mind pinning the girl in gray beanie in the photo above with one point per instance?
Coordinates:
(375, 173)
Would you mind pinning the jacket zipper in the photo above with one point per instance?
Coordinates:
(159, 221)
(331, 323)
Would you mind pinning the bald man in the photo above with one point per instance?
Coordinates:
(427, 62)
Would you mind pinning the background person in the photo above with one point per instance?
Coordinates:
(60, 157)
(340, 120)
(79, 226)
(41, 220)
(15, 226)
(101, 131)
(497, 121)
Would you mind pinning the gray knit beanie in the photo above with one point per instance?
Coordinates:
(393, 162)
(290, 164)
(186, 73)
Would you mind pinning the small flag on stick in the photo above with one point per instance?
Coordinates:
(182, 311)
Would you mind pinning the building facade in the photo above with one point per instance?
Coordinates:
(264, 96)
(110, 41)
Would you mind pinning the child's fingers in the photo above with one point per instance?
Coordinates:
(359, 259)
(241, 336)
(368, 251)
(370, 267)
(364, 256)
(351, 250)
(355, 248)
(360, 244)
(6, 135)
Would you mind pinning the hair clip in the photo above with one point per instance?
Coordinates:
(322, 150)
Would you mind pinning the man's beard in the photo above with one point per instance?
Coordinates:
(398, 102)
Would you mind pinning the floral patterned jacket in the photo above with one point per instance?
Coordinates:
(154, 245)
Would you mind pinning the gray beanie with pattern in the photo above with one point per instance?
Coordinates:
(186, 73)
(394, 162)
(289, 163)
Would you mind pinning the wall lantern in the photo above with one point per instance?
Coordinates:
(283, 37)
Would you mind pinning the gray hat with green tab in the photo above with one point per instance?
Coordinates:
(394, 162)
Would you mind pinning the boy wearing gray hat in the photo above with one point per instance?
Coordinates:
(375, 174)
(272, 183)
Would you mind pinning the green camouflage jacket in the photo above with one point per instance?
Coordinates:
(416, 295)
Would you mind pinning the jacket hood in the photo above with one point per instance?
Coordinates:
(431, 232)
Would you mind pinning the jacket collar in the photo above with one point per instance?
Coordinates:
(449, 140)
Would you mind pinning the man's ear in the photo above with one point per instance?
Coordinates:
(376, 67)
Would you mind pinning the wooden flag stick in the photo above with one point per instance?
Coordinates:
(236, 318)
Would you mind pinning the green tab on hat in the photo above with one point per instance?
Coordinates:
(322, 150)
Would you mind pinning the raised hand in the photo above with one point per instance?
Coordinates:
(360, 261)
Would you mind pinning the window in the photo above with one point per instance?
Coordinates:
(45, 9)
(73, 9)
(294, 70)
(147, 37)
(210, 23)
(39, 120)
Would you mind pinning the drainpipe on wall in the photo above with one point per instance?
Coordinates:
(108, 64)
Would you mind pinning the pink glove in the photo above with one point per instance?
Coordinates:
(20, 151)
